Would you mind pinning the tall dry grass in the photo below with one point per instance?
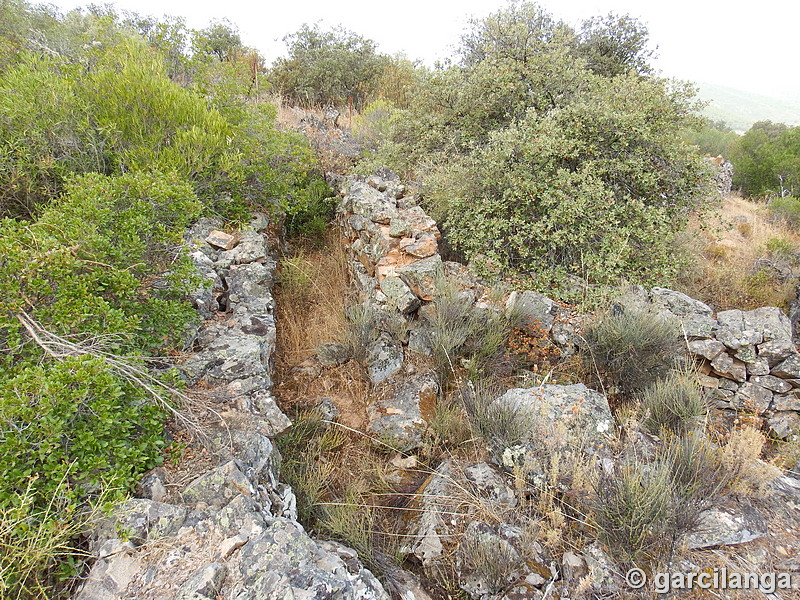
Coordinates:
(733, 254)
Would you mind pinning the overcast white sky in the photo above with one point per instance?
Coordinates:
(753, 49)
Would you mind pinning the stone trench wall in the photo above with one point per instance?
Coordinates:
(231, 532)
(747, 361)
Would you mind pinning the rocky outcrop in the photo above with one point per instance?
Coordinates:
(231, 532)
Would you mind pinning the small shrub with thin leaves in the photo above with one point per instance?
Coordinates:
(673, 403)
(631, 347)
(501, 424)
(360, 331)
(634, 511)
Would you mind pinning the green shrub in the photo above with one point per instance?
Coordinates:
(631, 347)
(674, 403)
(635, 511)
(787, 208)
(501, 424)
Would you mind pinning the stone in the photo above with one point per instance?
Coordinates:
(789, 368)
(196, 236)
(473, 579)
(573, 567)
(776, 351)
(726, 527)
(252, 247)
(708, 349)
(752, 396)
(787, 402)
(696, 318)
(219, 486)
(400, 418)
(206, 582)
(784, 425)
(419, 341)
(384, 359)
(249, 282)
(777, 385)
(140, 520)
(399, 294)
(584, 412)
(204, 297)
(422, 245)
(733, 332)
(229, 355)
(706, 381)
(222, 240)
(421, 276)
(254, 452)
(420, 221)
(726, 366)
(114, 569)
(284, 562)
(759, 366)
(399, 228)
(434, 506)
(153, 485)
(532, 309)
(489, 483)
(601, 570)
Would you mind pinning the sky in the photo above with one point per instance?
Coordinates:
(754, 50)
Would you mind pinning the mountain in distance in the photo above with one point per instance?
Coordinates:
(741, 109)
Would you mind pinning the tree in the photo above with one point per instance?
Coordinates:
(766, 160)
(328, 67)
(220, 40)
(614, 44)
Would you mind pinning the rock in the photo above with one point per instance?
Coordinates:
(489, 483)
(421, 276)
(726, 366)
(437, 507)
(204, 298)
(695, 317)
(258, 457)
(752, 397)
(220, 239)
(327, 409)
(283, 562)
(219, 486)
(400, 419)
(139, 520)
(422, 245)
(733, 332)
(789, 368)
(759, 366)
(196, 236)
(419, 341)
(366, 201)
(786, 402)
(708, 349)
(230, 356)
(204, 583)
(333, 354)
(405, 585)
(779, 386)
(532, 309)
(601, 569)
(398, 228)
(399, 294)
(584, 412)
(114, 569)
(784, 425)
(252, 247)
(249, 283)
(384, 359)
(153, 485)
(480, 542)
(573, 567)
(726, 527)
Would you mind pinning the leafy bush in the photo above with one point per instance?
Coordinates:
(632, 347)
(765, 160)
(327, 67)
(787, 208)
(673, 403)
(597, 189)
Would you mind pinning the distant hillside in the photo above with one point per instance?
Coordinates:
(741, 109)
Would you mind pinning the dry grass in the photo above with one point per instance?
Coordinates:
(311, 296)
(727, 247)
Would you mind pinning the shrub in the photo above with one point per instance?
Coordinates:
(502, 425)
(634, 511)
(596, 189)
(787, 208)
(673, 403)
(327, 67)
(631, 347)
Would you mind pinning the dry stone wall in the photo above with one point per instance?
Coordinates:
(232, 531)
